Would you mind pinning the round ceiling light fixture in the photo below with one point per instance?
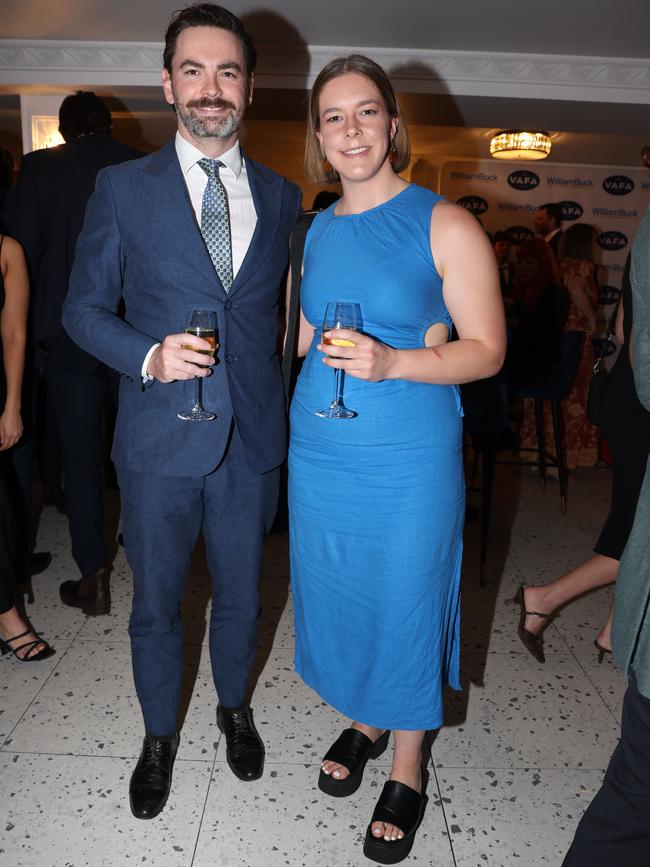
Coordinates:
(517, 144)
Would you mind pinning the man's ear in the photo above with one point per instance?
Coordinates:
(167, 86)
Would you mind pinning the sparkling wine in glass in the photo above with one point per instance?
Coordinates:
(339, 314)
(200, 323)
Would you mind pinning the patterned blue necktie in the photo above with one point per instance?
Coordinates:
(215, 222)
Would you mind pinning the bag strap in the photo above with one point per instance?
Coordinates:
(611, 328)
(296, 250)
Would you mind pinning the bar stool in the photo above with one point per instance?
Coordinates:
(554, 388)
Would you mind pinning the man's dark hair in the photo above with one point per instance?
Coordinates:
(553, 210)
(500, 235)
(207, 15)
(82, 113)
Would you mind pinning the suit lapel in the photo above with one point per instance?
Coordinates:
(170, 200)
(265, 190)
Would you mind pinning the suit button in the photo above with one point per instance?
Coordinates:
(228, 305)
(229, 358)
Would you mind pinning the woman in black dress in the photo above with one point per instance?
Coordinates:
(15, 635)
(626, 425)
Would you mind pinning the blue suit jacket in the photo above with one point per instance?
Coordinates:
(140, 242)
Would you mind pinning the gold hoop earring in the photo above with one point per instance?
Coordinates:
(392, 152)
(327, 165)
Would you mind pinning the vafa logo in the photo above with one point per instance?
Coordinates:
(608, 294)
(618, 185)
(519, 234)
(571, 210)
(476, 205)
(612, 240)
(523, 180)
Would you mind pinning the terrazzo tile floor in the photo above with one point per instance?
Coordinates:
(521, 754)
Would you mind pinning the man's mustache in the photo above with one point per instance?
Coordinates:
(211, 103)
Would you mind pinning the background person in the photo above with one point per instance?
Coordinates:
(615, 828)
(51, 194)
(577, 272)
(547, 222)
(15, 635)
(626, 425)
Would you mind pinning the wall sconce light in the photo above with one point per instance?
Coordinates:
(515, 144)
(45, 131)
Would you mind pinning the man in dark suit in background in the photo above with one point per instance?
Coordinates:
(548, 223)
(51, 194)
(197, 225)
(502, 245)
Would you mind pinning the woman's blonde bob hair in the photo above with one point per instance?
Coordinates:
(401, 145)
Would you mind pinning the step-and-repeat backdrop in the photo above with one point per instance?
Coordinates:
(506, 196)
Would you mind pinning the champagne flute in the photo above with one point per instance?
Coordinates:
(339, 314)
(200, 323)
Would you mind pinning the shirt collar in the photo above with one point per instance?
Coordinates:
(189, 155)
(550, 235)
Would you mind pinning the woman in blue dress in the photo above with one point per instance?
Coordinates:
(377, 500)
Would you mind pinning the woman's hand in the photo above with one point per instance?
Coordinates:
(11, 428)
(358, 354)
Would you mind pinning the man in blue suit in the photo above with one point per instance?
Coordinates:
(197, 225)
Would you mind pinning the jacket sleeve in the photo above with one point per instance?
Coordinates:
(90, 311)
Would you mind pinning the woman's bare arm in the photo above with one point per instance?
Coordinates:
(13, 330)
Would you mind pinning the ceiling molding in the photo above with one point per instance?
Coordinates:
(459, 73)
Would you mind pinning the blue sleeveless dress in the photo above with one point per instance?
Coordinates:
(377, 502)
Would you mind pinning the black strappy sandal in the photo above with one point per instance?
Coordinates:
(352, 749)
(28, 646)
(533, 643)
(402, 806)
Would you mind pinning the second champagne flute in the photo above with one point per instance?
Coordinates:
(200, 323)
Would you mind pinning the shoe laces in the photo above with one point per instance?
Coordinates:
(239, 722)
(152, 770)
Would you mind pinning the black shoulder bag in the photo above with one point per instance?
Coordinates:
(296, 249)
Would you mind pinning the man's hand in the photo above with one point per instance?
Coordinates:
(177, 358)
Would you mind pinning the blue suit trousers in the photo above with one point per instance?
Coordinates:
(162, 519)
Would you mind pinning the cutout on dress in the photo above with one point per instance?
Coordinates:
(436, 334)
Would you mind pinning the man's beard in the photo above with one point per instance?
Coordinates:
(209, 127)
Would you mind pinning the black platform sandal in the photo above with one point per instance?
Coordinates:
(402, 806)
(352, 749)
(30, 654)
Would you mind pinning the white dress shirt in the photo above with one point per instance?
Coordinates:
(234, 177)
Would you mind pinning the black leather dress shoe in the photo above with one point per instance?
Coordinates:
(92, 595)
(37, 562)
(244, 747)
(152, 778)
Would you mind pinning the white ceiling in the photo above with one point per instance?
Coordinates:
(597, 128)
(600, 28)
